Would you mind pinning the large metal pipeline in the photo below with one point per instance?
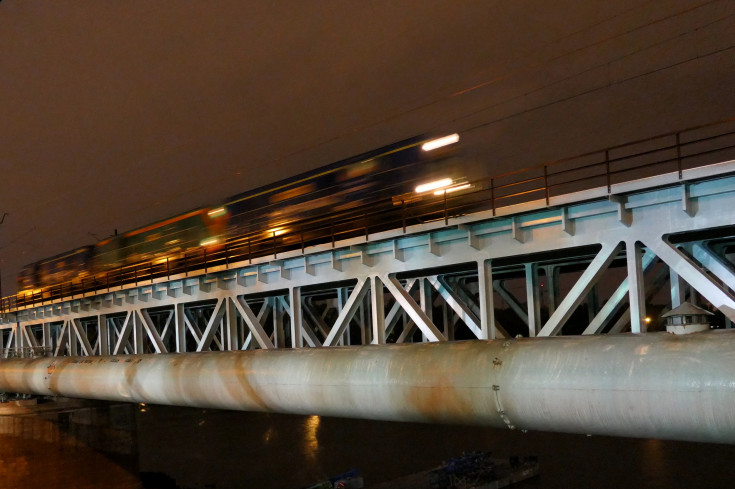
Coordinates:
(653, 385)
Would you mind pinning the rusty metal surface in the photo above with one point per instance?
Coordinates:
(654, 385)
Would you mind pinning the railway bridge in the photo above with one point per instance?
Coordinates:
(544, 270)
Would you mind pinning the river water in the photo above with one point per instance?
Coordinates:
(100, 445)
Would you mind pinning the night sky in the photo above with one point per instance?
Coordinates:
(115, 114)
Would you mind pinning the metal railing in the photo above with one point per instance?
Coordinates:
(667, 153)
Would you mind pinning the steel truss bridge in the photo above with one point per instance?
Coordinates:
(605, 259)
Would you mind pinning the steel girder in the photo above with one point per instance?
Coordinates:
(387, 288)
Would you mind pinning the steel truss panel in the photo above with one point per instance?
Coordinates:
(377, 291)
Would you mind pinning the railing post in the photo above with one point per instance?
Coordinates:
(446, 215)
(546, 183)
(250, 256)
(492, 195)
(678, 154)
(205, 259)
(403, 215)
(275, 251)
(607, 170)
(168, 270)
(227, 258)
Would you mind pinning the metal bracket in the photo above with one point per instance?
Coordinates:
(500, 410)
(625, 216)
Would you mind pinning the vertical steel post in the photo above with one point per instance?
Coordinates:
(377, 303)
(296, 317)
(102, 335)
(403, 215)
(180, 328)
(487, 303)
(636, 290)
(446, 215)
(232, 341)
(426, 303)
(533, 303)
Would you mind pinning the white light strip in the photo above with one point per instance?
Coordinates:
(444, 182)
(438, 143)
(452, 189)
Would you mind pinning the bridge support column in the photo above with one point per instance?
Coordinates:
(636, 290)
(297, 324)
(377, 304)
(533, 302)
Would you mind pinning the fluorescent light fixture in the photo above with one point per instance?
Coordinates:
(438, 143)
(216, 212)
(209, 242)
(452, 189)
(277, 231)
(444, 182)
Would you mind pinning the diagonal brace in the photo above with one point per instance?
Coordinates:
(580, 289)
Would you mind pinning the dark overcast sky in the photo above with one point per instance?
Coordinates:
(114, 114)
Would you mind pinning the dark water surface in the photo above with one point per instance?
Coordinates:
(110, 446)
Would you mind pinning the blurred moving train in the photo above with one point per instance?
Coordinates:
(346, 190)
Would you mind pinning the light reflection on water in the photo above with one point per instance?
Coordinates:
(199, 448)
(311, 442)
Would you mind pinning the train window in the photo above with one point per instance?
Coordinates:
(359, 169)
(292, 192)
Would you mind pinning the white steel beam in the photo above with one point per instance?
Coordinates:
(617, 299)
(467, 298)
(348, 310)
(103, 339)
(137, 333)
(580, 289)
(504, 293)
(253, 323)
(488, 330)
(232, 340)
(453, 301)
(533, 299)
(212, 325)
(153, 335)
(81, 337)
(180, 324)
(294, 298)
(122, 337)
(714, 264)
(316, 320)
(423, 322)
(636, 287)
(651, 289)
(694, 276)
(377, 305)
